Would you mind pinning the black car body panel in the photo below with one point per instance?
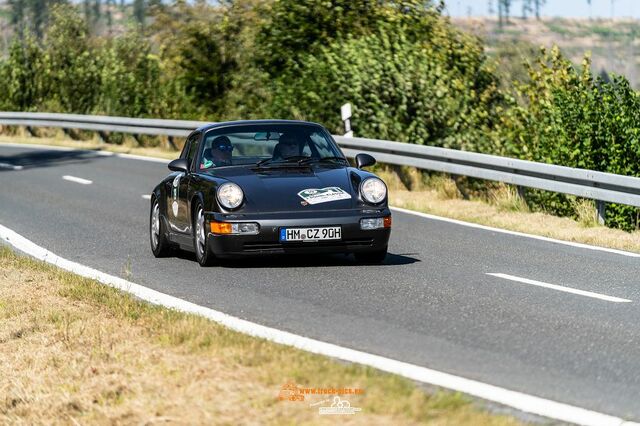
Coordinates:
(271, 200)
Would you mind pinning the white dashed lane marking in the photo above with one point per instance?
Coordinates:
(77, 180)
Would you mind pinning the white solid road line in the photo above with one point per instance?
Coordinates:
(146, 196)
(516, 233)
(521, 401)
(561, 288)
(10, 166)
(77, 180)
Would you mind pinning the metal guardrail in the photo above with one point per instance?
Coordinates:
(604, 187)
(580, 182)
(101, 123)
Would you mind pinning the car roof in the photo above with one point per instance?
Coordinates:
(250, 122)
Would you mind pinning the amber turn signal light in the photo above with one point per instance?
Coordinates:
(221, 228)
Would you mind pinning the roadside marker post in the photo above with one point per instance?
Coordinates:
(345, 111)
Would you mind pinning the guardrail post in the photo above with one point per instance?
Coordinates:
(104, 138)
(70, 133)
(456, 181)
(171, 143)
(600, 211)
(520, 190)
(30, 130)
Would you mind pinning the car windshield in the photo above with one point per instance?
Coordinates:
(267, 144)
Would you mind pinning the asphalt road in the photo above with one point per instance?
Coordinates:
(432, 303)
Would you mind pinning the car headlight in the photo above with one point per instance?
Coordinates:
(373, 190)
(230, 195)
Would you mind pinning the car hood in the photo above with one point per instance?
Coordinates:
(276, 190)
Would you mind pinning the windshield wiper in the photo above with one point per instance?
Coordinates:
(289, 160)
(264, 161)
(310, 160)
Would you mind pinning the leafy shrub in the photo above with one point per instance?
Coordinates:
(129, 78)
(427, 84)
(572, 119)
(22, 76)
(72, 69)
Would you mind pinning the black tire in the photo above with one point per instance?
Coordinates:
(201, 237)
(160, 245)
(371, 257)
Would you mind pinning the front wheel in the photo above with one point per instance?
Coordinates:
(201, 237)
(371, 257)
(159, 244)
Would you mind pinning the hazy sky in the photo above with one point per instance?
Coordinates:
(563, 8)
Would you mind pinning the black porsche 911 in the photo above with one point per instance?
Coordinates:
(267, 187)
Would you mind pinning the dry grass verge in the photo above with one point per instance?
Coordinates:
(77, 352)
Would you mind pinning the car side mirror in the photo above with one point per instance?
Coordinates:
(179, 165)
(364, 160)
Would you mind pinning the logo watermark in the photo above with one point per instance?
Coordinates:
(338, 404)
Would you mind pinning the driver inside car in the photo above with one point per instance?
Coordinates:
(219, 154)
(287, 146)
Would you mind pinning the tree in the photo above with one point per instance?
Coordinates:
(538, 4)
(130, 77)
(526, 8)
(72, 68)
(199, 45)
(17, 12)
(109, 13)
(504, 7)
(423, 83)
(22, 74)
(96, 13)
(39, 15)
(86, 8)
(298, 27)
(139, 11)
(30, 15)
(507, 8)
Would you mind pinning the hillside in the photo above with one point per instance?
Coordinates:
(614, 44)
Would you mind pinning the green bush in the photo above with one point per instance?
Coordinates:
(22, 76)
(572, 119)
(129, 78)
(72, 68)
(415, 79)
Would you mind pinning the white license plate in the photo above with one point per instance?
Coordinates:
(311, 234)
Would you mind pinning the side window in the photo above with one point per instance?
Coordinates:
(192, 149)
(185, 149)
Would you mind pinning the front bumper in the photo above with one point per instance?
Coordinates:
(354, 240)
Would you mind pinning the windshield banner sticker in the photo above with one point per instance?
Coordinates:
(324, 195)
